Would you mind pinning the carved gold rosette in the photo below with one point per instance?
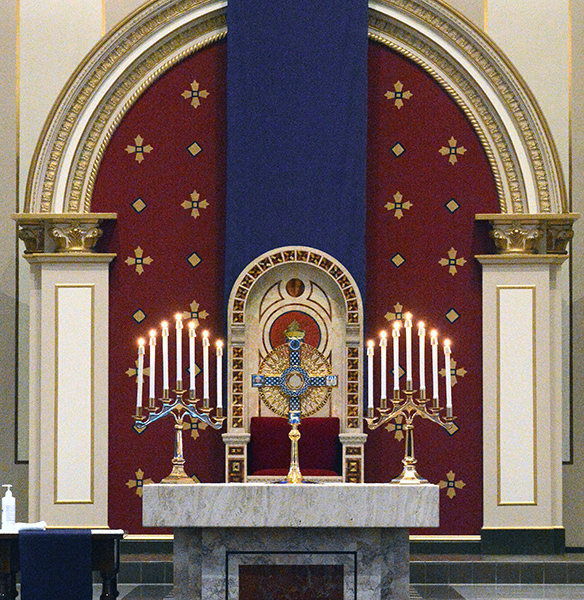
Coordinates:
(313, 362)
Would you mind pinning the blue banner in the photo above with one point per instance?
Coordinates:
(296, 130)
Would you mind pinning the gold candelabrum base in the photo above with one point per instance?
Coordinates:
(179, 408)
(408, 408)
(294, 474)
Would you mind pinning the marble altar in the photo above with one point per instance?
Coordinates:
(220, 529)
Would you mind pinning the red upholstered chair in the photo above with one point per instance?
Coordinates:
(319, 449)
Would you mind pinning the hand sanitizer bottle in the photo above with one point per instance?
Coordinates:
(8, 510)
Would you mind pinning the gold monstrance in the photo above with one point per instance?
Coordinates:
(295, 381)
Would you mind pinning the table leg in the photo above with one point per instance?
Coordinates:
(8, 586)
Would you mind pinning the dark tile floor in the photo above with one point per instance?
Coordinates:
(418, 592)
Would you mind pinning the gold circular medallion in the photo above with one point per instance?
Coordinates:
(312, 362)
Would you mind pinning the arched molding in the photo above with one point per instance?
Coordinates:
(302, 255)
(163, 32)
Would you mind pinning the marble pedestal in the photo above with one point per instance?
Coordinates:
(220, 528)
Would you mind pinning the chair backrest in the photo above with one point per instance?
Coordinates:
(320, 452)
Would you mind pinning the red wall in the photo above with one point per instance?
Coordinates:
(168, 234)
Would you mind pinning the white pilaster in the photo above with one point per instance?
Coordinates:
(522, 404)
(69, 385)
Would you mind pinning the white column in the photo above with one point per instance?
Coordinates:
(522, 403)
(69, 385)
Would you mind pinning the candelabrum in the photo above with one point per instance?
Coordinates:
(179, 408)
(409, 403)
(184, 404)
(408, 408)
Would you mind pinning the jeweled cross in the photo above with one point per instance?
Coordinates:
(294, 380)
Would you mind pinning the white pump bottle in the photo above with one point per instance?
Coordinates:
(8, 510)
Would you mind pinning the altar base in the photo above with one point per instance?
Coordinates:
(350, 539)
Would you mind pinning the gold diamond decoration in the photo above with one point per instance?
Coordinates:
(139, 316)
(138, 205)
(397, 150)
(194, 259)
(398, 260)
(194, 149)
(452, 315)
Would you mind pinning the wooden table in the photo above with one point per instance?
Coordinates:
(105, 558)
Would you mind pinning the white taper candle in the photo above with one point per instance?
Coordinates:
(141, 351)
(192, 336)
(205, 365)
(395, 334)
(383, 353)
(152, 365)
(164, 326)
(448, 373)
(219, 345)
(370, 354)
(422, 354)
(179, 328)
(434, 344)
(408, 328)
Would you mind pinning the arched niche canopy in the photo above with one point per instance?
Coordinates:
(326, 294)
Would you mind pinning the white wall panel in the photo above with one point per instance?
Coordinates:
(74, 394)
(516, 406)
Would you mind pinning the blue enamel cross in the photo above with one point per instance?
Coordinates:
(294, 381)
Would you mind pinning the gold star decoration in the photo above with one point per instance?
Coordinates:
(139, 482)
(139, 260)
(398, 95)
(398, 205)
(452, 262)
(194, 204)
(194, 314)
(195, 94)
(139, 149)
(194, 428)
(451, 484)
(455, 372)
(397, 314)
(133, 371)
(452, 150)
(397, 427)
